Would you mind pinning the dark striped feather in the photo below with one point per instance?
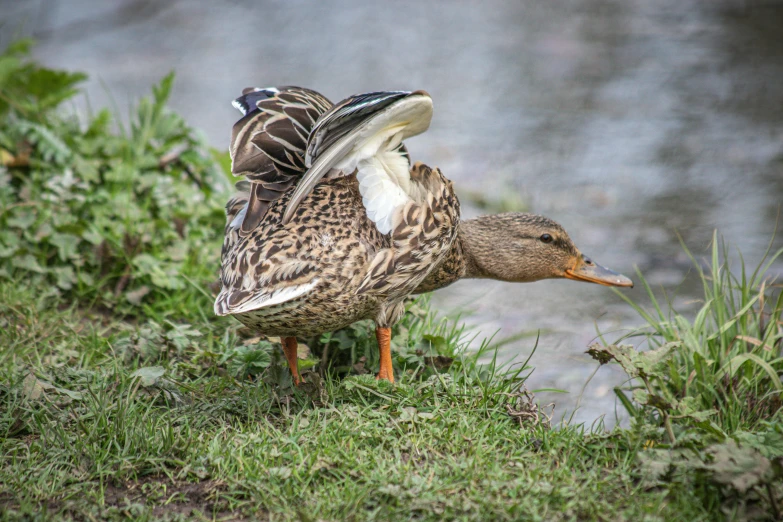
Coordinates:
(268, 143)
(345, 117)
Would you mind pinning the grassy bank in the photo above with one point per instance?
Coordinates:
(123, 397)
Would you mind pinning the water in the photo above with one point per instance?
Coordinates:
(629, 122)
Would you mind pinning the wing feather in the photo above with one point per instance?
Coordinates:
(346, 116)
(269, 142)
(422, 234)
(365, 132)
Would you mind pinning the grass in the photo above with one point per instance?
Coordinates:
(714, 378)
(122, 397)
(728, 357)
(103, 444)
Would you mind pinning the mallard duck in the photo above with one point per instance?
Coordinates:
(333, 224)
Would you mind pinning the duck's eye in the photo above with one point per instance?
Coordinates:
(546, 238)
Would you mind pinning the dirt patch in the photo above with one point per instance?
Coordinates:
(168, 497)
(165, 497)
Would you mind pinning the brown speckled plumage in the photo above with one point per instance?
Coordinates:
(357, 272)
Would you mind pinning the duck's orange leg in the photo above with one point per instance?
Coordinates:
(384, 346)
(289, 348)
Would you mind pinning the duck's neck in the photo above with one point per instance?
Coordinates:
(463, 260)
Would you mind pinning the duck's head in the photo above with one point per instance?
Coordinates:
(521, 247)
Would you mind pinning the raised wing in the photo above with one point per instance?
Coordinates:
(345, 116)
(365, 132)
(268, 145)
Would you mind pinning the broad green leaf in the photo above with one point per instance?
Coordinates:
(27, 262)
(34, 388)
(741, 467)
(438, 343)
(768, 443)
(150, 375)
(633, 362)
(651, 399)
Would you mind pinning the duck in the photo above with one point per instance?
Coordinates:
(333, 224)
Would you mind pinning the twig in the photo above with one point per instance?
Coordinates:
(525, 409)
(123, 282)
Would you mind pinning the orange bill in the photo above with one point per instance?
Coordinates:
(587, 270)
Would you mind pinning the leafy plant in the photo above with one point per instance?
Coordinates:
(114, 216)
(29, 89)
(248, 361)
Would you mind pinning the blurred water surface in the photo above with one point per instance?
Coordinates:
(626, 121)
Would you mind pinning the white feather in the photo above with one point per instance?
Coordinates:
(266, 300)
(238, 106)
(396, 165)
(382, 182)
(372, 193)
(386, 222)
